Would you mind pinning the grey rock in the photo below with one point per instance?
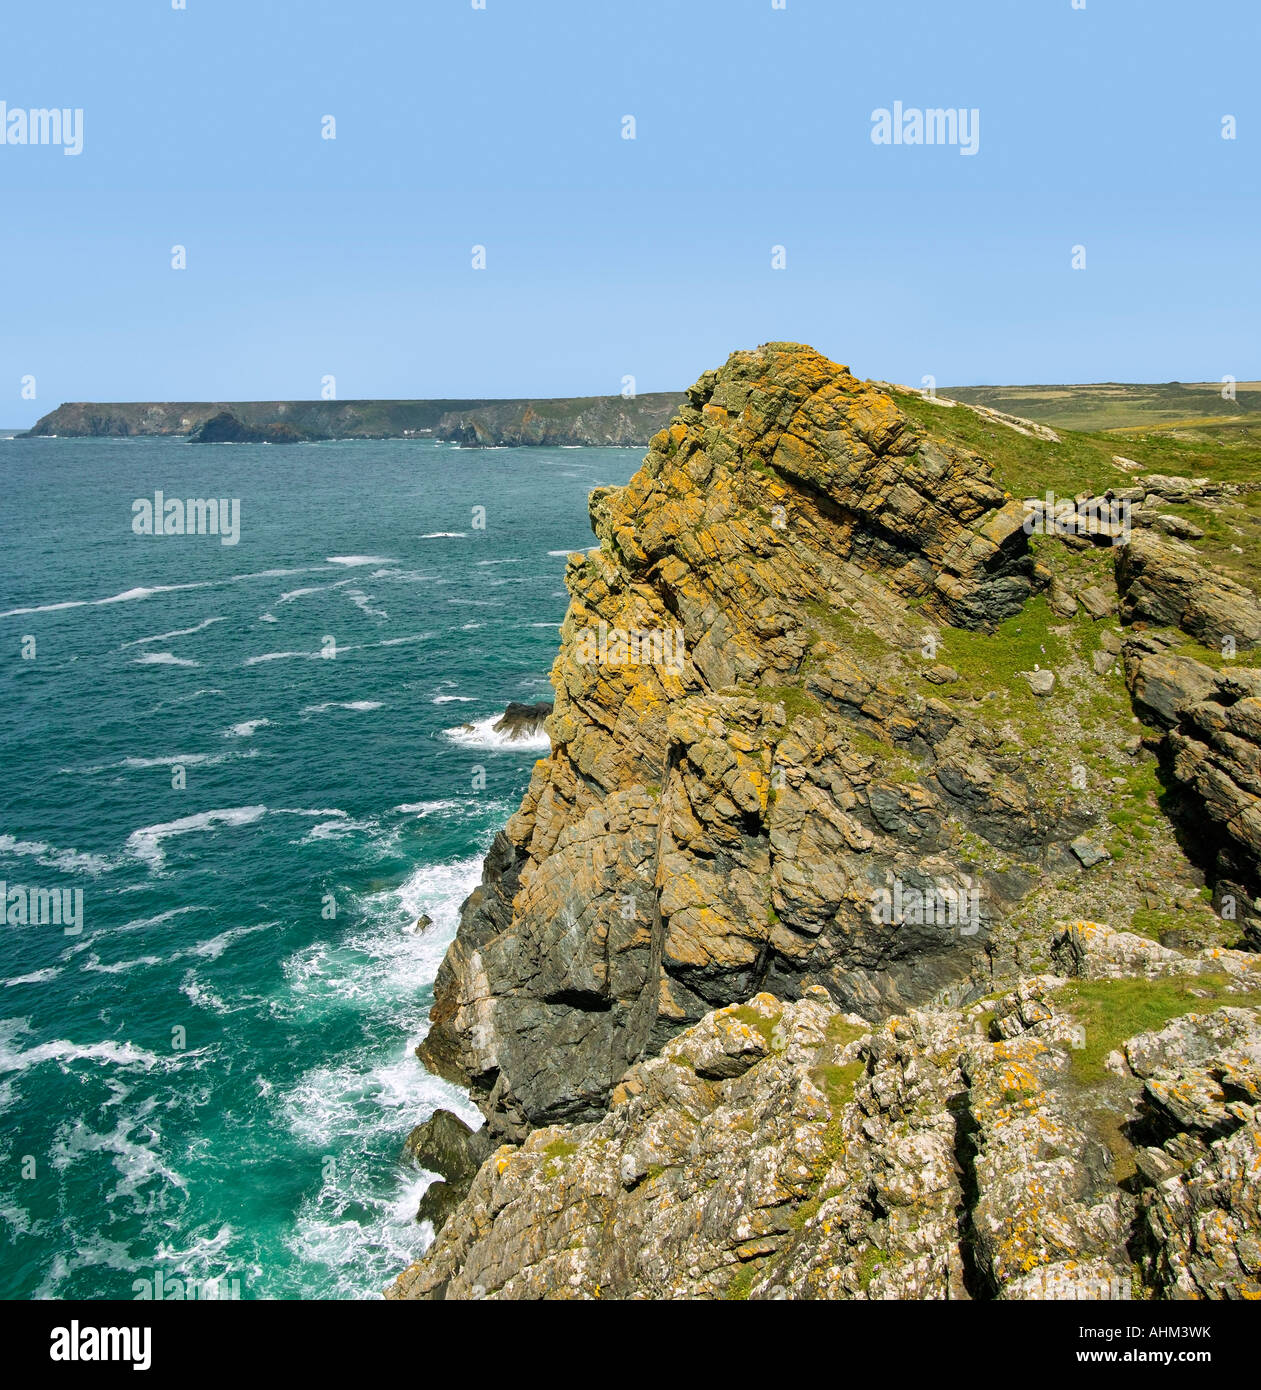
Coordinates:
(1089, 852)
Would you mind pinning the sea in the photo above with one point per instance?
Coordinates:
(232, 779)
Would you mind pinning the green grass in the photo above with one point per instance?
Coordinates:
(763, 1027)
(793, 698)
(838, 1082)
(741, 1285)
(842, 1033)
(1114, 1011)
(555, 1155)
(869, 1265)
(1225, 449)
(849, 633)
(1118, 405)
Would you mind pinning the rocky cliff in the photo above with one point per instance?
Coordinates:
(583, 420)
(838, 732)
(1091, 1135)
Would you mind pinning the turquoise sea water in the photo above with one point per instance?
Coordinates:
(260, 1145)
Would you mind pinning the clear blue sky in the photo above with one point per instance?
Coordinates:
(606, 256)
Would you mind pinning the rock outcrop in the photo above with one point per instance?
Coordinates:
(724, 821)
(1212, 751)
(520, 721)
(787, 1150)
(759, 993)
(225, 428)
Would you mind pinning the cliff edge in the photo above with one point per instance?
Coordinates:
(847, 725)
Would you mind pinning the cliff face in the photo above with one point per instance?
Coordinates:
(724, 823)
(583, 420)
(590, 421)
(838, 734)
(1094, 1134)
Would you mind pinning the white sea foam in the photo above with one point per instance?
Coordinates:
(336, 830)
(246, 728)
(215, 947)
(360, 560)
(93, 965)
(433, 536)
(280, 656)
(172, 759)
(453, 699)
(66, 860)
(138, 924)
(312, 589)
(363, 602)
(164, 659)
(359, 706)
(179, 632)
(36, 977)
(63, 1051)
(482, 734)
(146, 843)
(130, 595)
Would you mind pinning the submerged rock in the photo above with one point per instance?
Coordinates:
(520, 721)
(444, 1144)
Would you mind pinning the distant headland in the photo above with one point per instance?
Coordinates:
(582, 420)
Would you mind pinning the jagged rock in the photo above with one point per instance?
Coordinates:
(445, 1144)
(439, 1202)
(423, 923)
(760, 813)
(1213, 720)
(1089, 852)
(695, 834)
(225, 428)
(1199, 1229)
(1093, 951)
(1061, 601)
(520, 721)
(1096, 602)
(1176, 489)
(784, 1150)
(1161, 585)
(1179, 526)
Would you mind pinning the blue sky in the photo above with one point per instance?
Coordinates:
(605, 257)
